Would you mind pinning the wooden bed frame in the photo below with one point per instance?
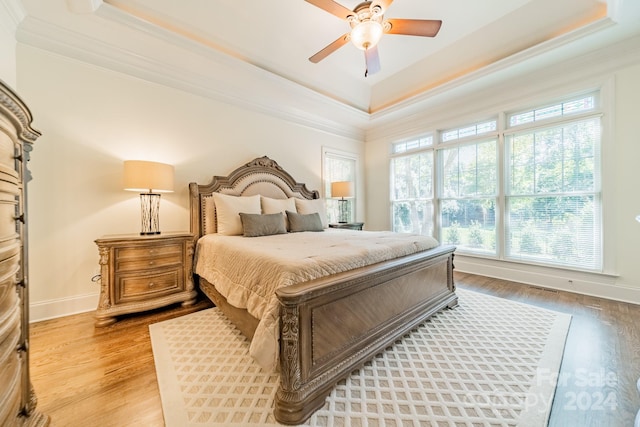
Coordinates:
(329, 326)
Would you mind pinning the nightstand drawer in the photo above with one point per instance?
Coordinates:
(137, 264)
(148, 251)
(136, 286)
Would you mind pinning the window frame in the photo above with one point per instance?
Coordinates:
(331, 204)
(421, 149)
(601, 109)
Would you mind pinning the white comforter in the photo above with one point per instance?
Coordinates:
(248, 270)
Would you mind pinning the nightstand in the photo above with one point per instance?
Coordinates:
(348, 225)
(141, 273)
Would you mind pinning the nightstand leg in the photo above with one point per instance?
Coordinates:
(104, 321)
(189, 302)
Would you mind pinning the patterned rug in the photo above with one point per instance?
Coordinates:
(487, 362)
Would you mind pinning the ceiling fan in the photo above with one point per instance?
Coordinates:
(367, 26)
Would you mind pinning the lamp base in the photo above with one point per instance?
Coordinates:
(343, 211)
(150, 209)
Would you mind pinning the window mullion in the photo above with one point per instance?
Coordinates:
(501, 207)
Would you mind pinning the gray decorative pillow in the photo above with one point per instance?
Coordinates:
(302, 222)
(255, 225)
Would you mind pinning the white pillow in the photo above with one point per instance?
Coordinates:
(228, 210)
(271, 206)
(306, 206)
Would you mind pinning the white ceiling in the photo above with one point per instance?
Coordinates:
(261, 48)
(280, 36)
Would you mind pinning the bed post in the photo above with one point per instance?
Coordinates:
(194, 205)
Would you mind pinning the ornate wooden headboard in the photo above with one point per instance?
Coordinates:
(260, 176)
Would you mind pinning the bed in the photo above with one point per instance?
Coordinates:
(329, 325)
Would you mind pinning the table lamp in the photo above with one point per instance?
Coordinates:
(342, 189)
(150, 179)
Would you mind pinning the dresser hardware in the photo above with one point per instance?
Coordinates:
(20, 218)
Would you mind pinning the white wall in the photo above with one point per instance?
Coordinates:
(91, 120)
(621, 150)
(10, 14)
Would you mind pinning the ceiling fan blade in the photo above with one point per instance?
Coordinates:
(332, 7)
(329, 49)
(373, 61)
(414, 27)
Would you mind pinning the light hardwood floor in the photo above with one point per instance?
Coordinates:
(85, 376)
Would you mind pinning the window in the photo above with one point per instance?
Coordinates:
(552, 194)
(468, 195)
(412, 193)
(566, 108)
(339, 166)
(422, 142)
(524, 189)
(468, 131)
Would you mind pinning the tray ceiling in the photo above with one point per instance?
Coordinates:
(252, 45)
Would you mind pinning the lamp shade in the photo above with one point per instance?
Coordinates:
(140, 175)
(342, 189)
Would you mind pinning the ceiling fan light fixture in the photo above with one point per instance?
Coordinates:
(366, 34)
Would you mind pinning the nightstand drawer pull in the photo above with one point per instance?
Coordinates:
(152, 263)
(151, 285)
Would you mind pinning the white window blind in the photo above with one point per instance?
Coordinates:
(412, 193)
(468, 196)
(525, 189)
(339, 167)
(553, 210)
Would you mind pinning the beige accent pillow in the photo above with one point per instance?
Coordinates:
(228, 209)
(306, 206)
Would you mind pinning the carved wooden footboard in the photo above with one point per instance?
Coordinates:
(332, 325)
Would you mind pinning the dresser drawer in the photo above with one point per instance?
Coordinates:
(131, 287)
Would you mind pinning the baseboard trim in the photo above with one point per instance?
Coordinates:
(597, 285)
(60, 307)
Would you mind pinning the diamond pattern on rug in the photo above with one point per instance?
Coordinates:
(475, 365)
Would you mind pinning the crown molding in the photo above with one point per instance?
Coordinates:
(83, 6)
(225, 79)
(12, 13)
(518, 58)
(505, 87)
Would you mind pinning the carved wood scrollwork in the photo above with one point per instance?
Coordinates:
(104, 303)
(190, 250)
(264, 162)
(290, 353)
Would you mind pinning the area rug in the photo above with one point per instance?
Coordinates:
(488, 362)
